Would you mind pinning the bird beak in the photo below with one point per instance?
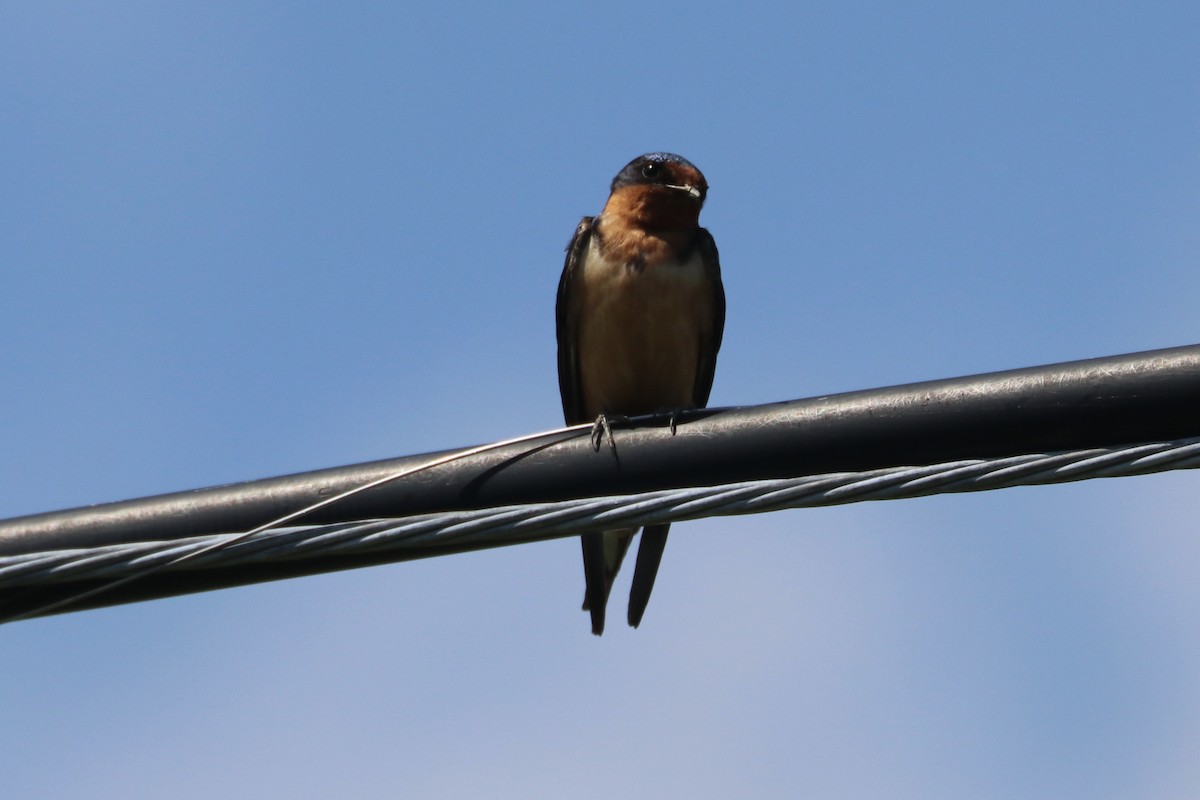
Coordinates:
(687, 187)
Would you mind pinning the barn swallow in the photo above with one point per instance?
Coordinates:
(640, 315)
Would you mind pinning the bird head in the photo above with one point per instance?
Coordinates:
(665, 171)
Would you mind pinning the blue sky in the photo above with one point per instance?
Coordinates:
(248, 239)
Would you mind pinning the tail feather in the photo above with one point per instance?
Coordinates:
(602, 557)
(650, 552)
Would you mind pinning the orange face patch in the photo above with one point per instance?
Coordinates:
(654, 206)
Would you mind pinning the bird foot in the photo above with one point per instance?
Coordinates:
(603, 430)
(672, 416)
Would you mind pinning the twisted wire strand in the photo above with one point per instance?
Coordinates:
(451, 531)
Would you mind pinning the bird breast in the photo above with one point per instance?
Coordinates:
(640, 332)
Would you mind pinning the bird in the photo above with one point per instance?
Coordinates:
(639, 320)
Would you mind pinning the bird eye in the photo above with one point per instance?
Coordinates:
(651, 170)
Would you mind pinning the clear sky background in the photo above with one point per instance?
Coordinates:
(246, 239)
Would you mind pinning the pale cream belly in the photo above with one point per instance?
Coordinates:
(640, 336)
